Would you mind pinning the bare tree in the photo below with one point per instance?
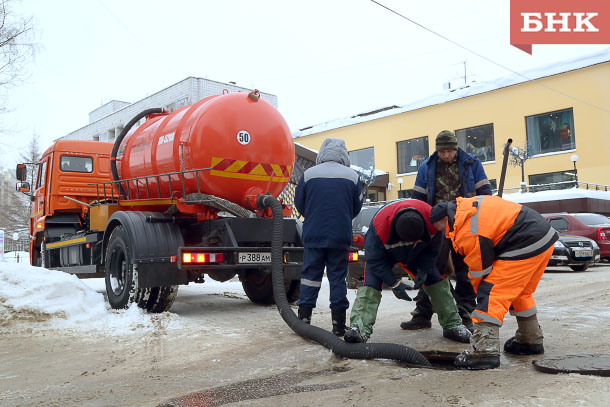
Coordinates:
(16, 206)
(518, 157)
(17, 48)
(17, 45)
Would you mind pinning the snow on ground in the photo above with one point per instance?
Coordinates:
(42, 299)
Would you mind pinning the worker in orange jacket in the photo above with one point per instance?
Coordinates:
(506, 247)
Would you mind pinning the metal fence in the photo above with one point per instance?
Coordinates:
(301, 164)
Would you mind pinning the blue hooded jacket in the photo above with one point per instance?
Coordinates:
(473, 180)
(328, 196)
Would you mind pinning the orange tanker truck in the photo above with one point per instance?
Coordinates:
(169, 202)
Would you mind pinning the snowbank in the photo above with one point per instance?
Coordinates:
(40, 299)
(556, 195)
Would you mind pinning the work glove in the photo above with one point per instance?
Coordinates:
(400, 291)
(419, 280)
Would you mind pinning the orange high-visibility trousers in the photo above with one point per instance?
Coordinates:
(509, 286)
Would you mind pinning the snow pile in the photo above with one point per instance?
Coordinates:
(40, 299)
(17, 257)
(556, 195)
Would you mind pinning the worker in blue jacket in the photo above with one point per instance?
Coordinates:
(328, 195)
(447, 174)
(401, 232)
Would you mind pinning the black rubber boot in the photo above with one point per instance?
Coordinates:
(485, 352)
(305, 313)
(472, 360)
(516, 348)
(417, 322)
(528, 338)
(458, 333)
(338, 316)
(353, 335)
(467, 322)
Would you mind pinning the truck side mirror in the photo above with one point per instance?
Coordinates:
(21, 172)
(23, 187)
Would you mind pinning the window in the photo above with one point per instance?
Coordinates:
(71, 163)
(566, 177)
(405, 193)
(42, 172)
(411, 153)
(364, 158)
(559, 224)
(551, 132)
(478, 141)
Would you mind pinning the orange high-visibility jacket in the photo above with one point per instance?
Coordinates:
(486, 228)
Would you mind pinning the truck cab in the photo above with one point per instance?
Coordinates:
(62, 190)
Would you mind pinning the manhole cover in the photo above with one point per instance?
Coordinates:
(598, 365)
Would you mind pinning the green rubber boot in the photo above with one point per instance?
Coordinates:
(447, 311)
(363, 315)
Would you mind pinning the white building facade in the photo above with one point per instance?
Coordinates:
(107, 121)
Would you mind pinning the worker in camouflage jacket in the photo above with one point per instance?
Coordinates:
(506, 247)
(450, 172)
(328, 195)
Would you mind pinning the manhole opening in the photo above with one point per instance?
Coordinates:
(440, 359)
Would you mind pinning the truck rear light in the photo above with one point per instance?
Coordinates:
(358, 240)
(353, 256)
(601, 234)
(201, 258)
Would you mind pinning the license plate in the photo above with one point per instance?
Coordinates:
(253, 257)
(583, 253)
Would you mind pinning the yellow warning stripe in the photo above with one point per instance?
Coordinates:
(248, 176)
(66, 242)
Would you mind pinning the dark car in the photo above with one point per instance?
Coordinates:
(360, 225)
(591, 225)
(576, 252)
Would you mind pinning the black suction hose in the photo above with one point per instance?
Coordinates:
(119, 140)
(328, 339)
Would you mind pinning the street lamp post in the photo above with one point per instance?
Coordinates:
(574, 159)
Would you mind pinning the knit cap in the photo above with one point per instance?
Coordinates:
(410, 226)
(446, 140)
(438, 212)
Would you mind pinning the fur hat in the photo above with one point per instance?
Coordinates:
(446, 140)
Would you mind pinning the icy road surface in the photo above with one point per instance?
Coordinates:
(60, 345)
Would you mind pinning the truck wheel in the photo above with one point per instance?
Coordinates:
(161, 299)
(122, 283)
(259, 288)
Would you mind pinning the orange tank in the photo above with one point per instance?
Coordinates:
(243, 139)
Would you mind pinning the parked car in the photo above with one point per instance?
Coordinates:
(576, 252)
(360, 225)
(591, 225)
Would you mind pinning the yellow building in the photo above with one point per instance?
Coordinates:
(560, 115)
